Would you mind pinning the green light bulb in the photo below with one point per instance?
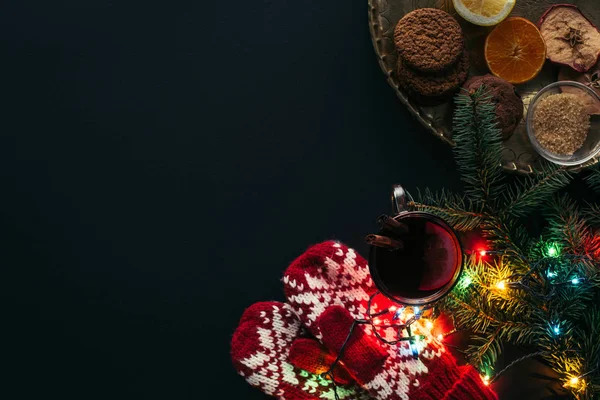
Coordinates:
(552, 251)
(467, 280)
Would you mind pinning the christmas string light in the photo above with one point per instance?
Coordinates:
(376, 322)
(466, 281)
(518, 360)
(560, 269)
(553, 250)
(414, 348)
(398, 312)
(574, 381)
(482, 252)
(525, 281)
(486, 380)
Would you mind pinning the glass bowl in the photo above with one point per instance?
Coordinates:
(591, 146)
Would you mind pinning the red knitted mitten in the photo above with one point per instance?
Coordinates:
(329, 275)
(265, 345)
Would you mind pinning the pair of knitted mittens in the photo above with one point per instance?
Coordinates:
(284, 348)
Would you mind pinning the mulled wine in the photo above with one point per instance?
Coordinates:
(425, 267)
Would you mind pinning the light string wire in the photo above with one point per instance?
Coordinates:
(522, 284)
(330, 375)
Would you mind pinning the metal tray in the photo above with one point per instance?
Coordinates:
(518, 155)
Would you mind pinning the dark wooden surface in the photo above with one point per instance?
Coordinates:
(162, 163)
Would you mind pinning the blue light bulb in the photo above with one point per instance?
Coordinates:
(414, 347)
(556, 330)
(398, 313)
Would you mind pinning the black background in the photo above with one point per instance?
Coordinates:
(163, 162)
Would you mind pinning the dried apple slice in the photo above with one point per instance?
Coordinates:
(571, 39)
(590, 79)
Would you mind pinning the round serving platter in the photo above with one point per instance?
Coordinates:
(518, 154)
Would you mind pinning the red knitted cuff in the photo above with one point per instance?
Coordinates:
(441, 375)
(445, 380)
(470, 387)
(364, 356)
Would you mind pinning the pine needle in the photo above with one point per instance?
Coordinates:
(478, 145)
(529, 192)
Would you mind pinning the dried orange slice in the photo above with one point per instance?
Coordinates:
(515, 50)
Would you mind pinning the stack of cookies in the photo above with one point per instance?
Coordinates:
(432, 61)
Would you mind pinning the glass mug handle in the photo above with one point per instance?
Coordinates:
(398, 199)
(389, 224)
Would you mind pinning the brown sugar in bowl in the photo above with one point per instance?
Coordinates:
(549, 144)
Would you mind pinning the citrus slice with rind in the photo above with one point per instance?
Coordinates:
(515, 50)
(484, 12)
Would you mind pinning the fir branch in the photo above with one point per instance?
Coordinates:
(587, 338)
(593, 179)
(461, 213)
(485, 354)
(591, 213)
(479, 318)
(509, 238)
(478, 145)
(525, 194)
(567, 226)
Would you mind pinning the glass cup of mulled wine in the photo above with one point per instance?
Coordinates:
(416, 258)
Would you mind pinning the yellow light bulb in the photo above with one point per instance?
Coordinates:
(393, 308)
(440, 337)
(574, 381)
(486, 380)
(376, 321)
(501, 285)
(429, 324)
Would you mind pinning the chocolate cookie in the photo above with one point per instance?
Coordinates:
(509, 105)
(433, 89)
(429, 40)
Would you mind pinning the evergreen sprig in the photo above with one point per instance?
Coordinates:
(591, 212)
(524, 195)
(458, 211)
(478, 145)
(567, 226)
(593, 179)
(547, 299)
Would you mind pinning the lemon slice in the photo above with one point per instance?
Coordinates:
(484, 12)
